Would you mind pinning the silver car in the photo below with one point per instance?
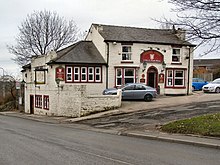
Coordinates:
(213, 86)
(134, 91)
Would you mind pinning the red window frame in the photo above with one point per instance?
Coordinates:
(79, 73)
(46, 102)
(123, 75)
(174, 78)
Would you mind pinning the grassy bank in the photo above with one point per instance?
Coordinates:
(207, 125)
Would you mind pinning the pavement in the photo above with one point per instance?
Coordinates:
(127, 107)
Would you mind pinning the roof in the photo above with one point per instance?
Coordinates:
(205, 62)
(82, 52)
(139, 35)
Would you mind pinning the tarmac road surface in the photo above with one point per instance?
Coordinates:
(30, 142)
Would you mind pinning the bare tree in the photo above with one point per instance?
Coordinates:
(201, 19)
(41, 32)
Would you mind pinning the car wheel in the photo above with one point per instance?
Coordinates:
(193, 88)
(148, 97)
(217, 90)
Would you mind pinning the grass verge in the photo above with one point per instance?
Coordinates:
(207, 125)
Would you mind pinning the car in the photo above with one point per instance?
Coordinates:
(213, 86)
(134, 91)
(198, 83)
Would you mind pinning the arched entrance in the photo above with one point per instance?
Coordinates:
(152, 74)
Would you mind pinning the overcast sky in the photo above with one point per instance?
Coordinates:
(136, 13)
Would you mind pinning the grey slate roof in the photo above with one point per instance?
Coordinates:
(139, 35)
(82, 52)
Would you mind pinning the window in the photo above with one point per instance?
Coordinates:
(130, 87)
(175, 78)
(176, 55)
(76, 74)
(124, 76)
(98, 74)
(118, 77)
(126, 53)
(169, 77)
(139, 87)
(46, 102)
(91, 74)
(69, 74)
(129, 76)
(179, 78)
(38, 101)
(83, 74)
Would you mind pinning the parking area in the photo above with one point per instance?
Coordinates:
(167, 101)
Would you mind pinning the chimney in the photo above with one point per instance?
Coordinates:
(181, 34)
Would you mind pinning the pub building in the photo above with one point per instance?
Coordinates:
(110, 56)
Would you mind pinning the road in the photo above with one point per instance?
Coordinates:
(27, 142)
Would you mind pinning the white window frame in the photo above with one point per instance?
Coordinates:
(178, 78)
(170, 78)
(127, 54)
(69, 73)
(85, 73)
(176, 55)
(77, 73)
(118, 77)
(133, 77)
(98, 74)
(91, 74)
(38, 101)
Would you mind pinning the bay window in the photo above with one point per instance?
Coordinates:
(124, 76)
(175, 78)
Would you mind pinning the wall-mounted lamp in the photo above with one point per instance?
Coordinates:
(58, 83)
(163, 66)
(144, 65)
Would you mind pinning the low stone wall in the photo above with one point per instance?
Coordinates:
(97, 103)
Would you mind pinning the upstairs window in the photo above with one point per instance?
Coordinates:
(126, 52)
(176, 55)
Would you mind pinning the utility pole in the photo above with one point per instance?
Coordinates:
(3, 84)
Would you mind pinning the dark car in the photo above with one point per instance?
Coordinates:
(198, 83)
(134, 91)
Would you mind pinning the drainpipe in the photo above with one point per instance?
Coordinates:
(188, 85)
(107, 65)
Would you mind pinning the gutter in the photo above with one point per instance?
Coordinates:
(107, 65)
